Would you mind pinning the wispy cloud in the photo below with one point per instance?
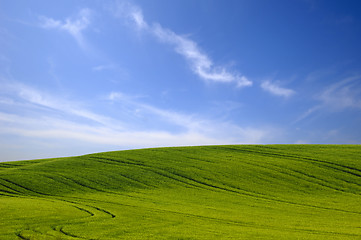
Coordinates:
(100, 68)
(337, 97)
(201, 64)
(53, 129)
(187, 122)
(129, 12)
(308, 113)
(73, 25)
(24, 95)
(276, 90)
(34, 114)
(193, 124)
(342, 95)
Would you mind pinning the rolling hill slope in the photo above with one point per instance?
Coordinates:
(210, 192)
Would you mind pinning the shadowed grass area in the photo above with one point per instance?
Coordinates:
(210, 192)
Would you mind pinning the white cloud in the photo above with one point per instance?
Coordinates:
(34, 98)
(188, 122)
(100, 68)
(138, 18)
(199, 61)
(50, 23)
(308, 113)
(224, 131)
(74, 26)
(129, 12)
(39, 116)
(343, 94)
(72, 134)
(277, 90)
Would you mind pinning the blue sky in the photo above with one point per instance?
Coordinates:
(78, 77)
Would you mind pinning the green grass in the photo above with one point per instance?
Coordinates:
(211, 192)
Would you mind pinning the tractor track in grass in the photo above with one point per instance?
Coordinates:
(21, 236)
(72, 204)
(103, 210)
(8, 192)
(7, 166)
(11, 188)
(319, 163)
(141, 166)
(335, 166)
(61, 230)
(102, 177)
(80, 206)
(197, 183)
(114, 162)
(183, 179)
(84, 210)
(77, 205)
(298, 174)
(263, 197)
(242, 192)
(158, 171)
(239, 191)
(79, 183)
(19, 194)
(174, 175)
(232, 222)
(36, 193)
(307, 177)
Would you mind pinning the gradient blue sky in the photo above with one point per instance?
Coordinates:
(78, 77)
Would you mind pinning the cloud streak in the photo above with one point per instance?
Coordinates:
(22, 95)
(200, 63)
(73, 26)
(35, 115)
(191, 123)
(276, 90)
(342, 95)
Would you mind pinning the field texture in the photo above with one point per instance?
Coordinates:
(213, 192)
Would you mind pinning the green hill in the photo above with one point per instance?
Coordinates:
(210, 192)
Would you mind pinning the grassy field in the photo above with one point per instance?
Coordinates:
(211, 192)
